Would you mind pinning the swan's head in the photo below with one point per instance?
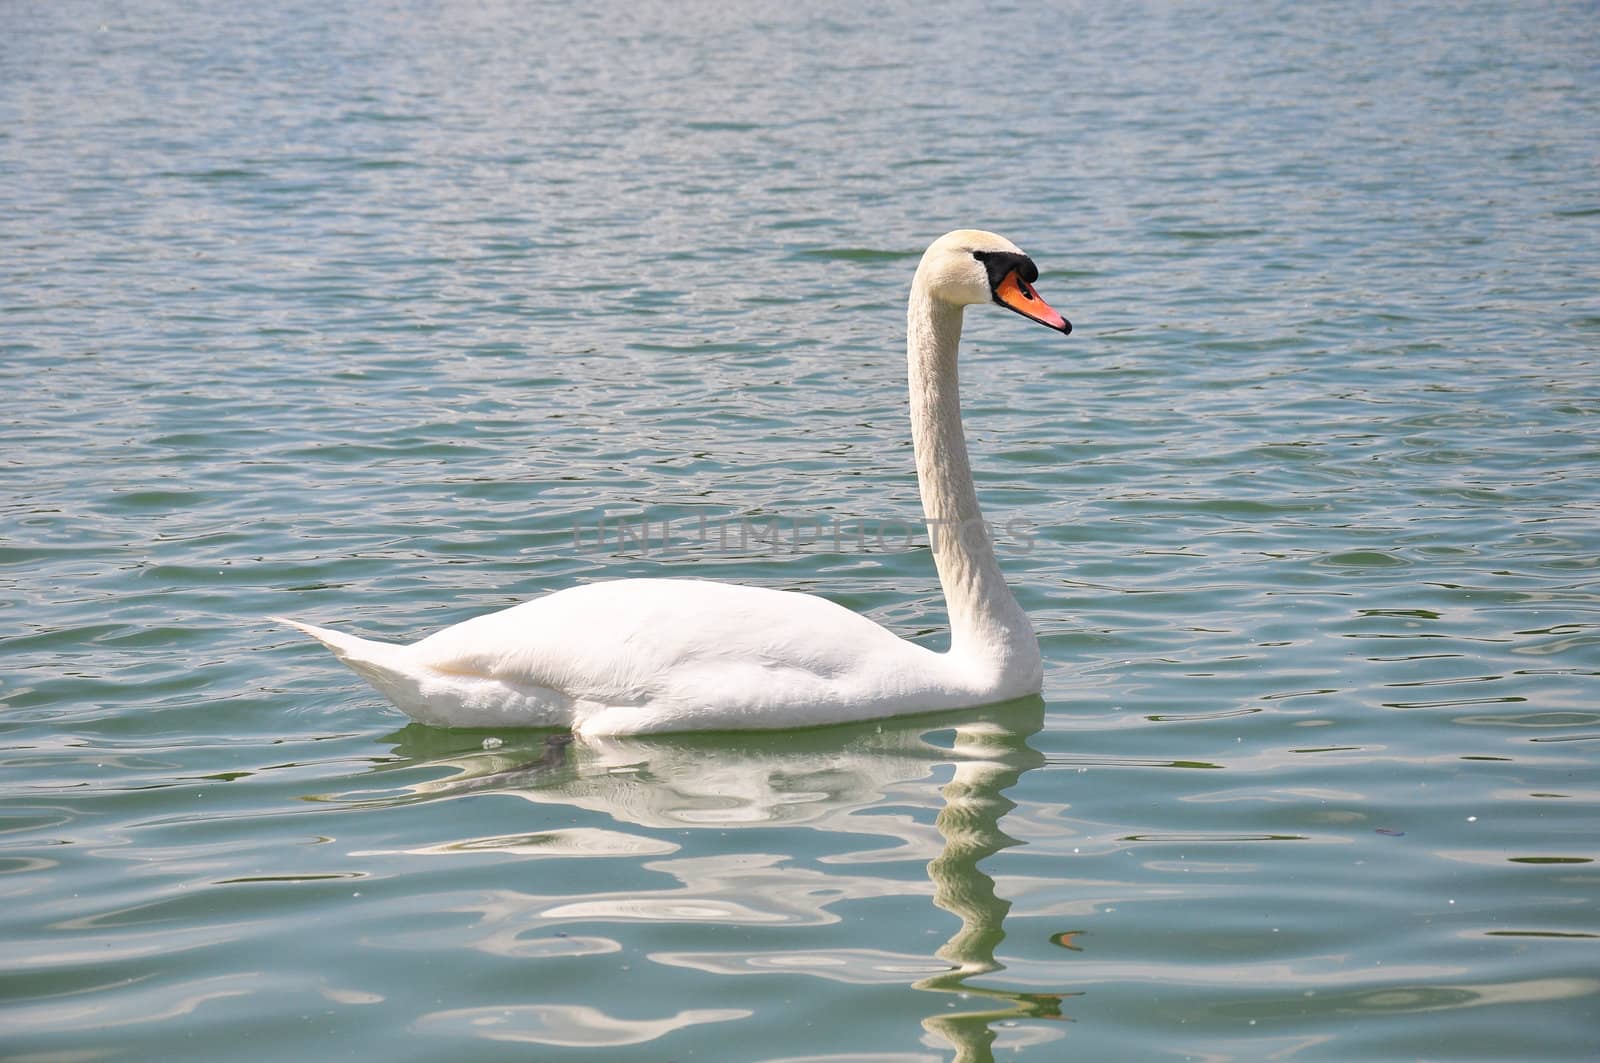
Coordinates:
(971, 266)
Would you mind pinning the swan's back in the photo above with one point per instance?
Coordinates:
(665, 654)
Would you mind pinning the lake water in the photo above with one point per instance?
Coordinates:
(371, 314)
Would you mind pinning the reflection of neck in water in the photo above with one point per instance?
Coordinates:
(969, 823)
(821, 778)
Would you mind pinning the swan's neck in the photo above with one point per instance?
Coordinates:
(987, 626)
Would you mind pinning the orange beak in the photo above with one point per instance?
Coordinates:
(1017, 294)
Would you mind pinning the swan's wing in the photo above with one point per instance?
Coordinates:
(679, 646)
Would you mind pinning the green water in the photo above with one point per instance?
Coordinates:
(371, 314)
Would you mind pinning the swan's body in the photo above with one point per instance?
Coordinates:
(651, 655)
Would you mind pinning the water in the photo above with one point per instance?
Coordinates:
(355, 314)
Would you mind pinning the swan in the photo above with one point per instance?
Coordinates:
(645, 656)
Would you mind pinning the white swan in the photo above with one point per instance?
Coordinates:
(642, 656)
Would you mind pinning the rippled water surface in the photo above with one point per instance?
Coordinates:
(386, 315)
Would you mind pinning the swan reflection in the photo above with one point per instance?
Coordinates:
(870, 780)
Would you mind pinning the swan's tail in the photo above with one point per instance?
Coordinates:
(383, 664)
(348, 648)
(442, 697)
